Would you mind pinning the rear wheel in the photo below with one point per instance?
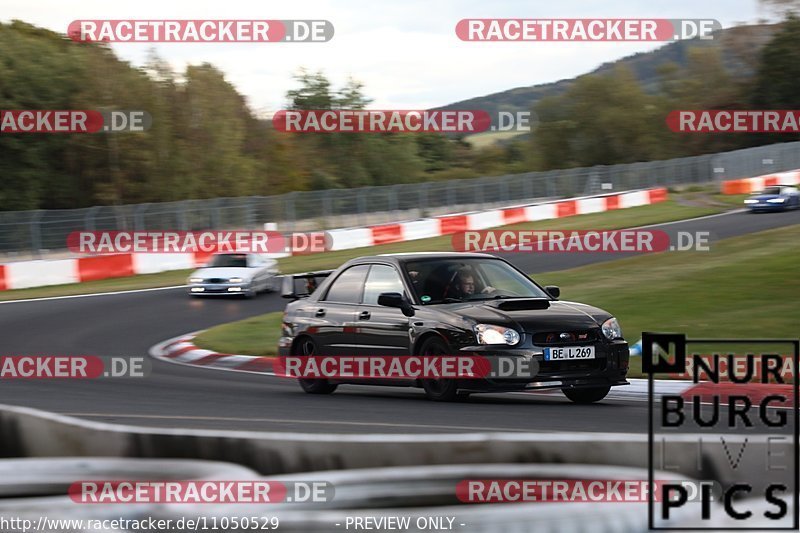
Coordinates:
(438, 390)
(307, 348)
(591, 395)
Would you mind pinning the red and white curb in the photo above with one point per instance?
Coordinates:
(181, 350)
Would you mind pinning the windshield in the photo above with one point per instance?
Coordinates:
(771, 190)
(452, 280)
(228, 260)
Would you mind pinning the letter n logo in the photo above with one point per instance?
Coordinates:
(663, 353)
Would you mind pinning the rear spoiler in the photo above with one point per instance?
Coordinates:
(296, 286)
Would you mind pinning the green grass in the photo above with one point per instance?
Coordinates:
(635, 216)
(251, 336)
(745, 286)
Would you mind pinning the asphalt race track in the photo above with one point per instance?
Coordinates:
(128, 324)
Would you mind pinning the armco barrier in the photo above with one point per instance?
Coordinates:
(46, 476)
(756, 184)
(413, 492)
(24, 274)
(26, 432)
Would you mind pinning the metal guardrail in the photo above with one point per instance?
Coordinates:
(372, 475)
(34, 232)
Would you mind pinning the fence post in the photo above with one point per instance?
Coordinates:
(250, 215)
(290, 209)
(450, 192)
(215, 208)
(423, 199)
(527, 186)
(138, 217)
(362, 204)
(36, 232)
(184, 223)
(89, 218)
(326, 207)
(551, 184)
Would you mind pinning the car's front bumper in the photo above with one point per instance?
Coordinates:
(767, 207)
(218, 289)
(608, 368)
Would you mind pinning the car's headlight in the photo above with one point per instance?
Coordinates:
(776, 200)
(235, 280)
(749, 201)
(195, 280)
(611, 329)
(488, 334)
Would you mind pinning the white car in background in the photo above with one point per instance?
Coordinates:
(242, 274)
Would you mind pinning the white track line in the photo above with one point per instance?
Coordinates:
(132, 291)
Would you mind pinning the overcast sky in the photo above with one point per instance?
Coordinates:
(404, 51)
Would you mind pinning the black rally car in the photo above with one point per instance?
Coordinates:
(452, 303)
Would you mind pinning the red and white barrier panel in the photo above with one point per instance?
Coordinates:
(751, 185)
(25, 274)
(343, 239)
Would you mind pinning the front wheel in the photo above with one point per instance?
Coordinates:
(438, 390)
(591, 395)
(308, 348)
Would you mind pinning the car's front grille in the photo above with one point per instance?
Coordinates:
(215, 280)
(566, 338)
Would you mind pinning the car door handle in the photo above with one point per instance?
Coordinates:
(364, 315)
(320, 312)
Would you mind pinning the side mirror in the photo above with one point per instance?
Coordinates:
(553, 290)
(395, 299)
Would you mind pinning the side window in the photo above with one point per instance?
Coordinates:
(347, 287)
(382, 278)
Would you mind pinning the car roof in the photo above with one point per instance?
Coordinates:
(775, 187)
(416, 256)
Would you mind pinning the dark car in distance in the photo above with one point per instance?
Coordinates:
(453, 303)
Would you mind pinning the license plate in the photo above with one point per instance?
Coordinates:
(566, 353)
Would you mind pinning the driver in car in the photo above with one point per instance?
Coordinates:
(465, 281)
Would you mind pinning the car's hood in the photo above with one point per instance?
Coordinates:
(560, 315)
(763, 197)
(223, 272)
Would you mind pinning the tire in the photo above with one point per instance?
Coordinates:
(438, 390)
(584, 396)
(308, 347)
